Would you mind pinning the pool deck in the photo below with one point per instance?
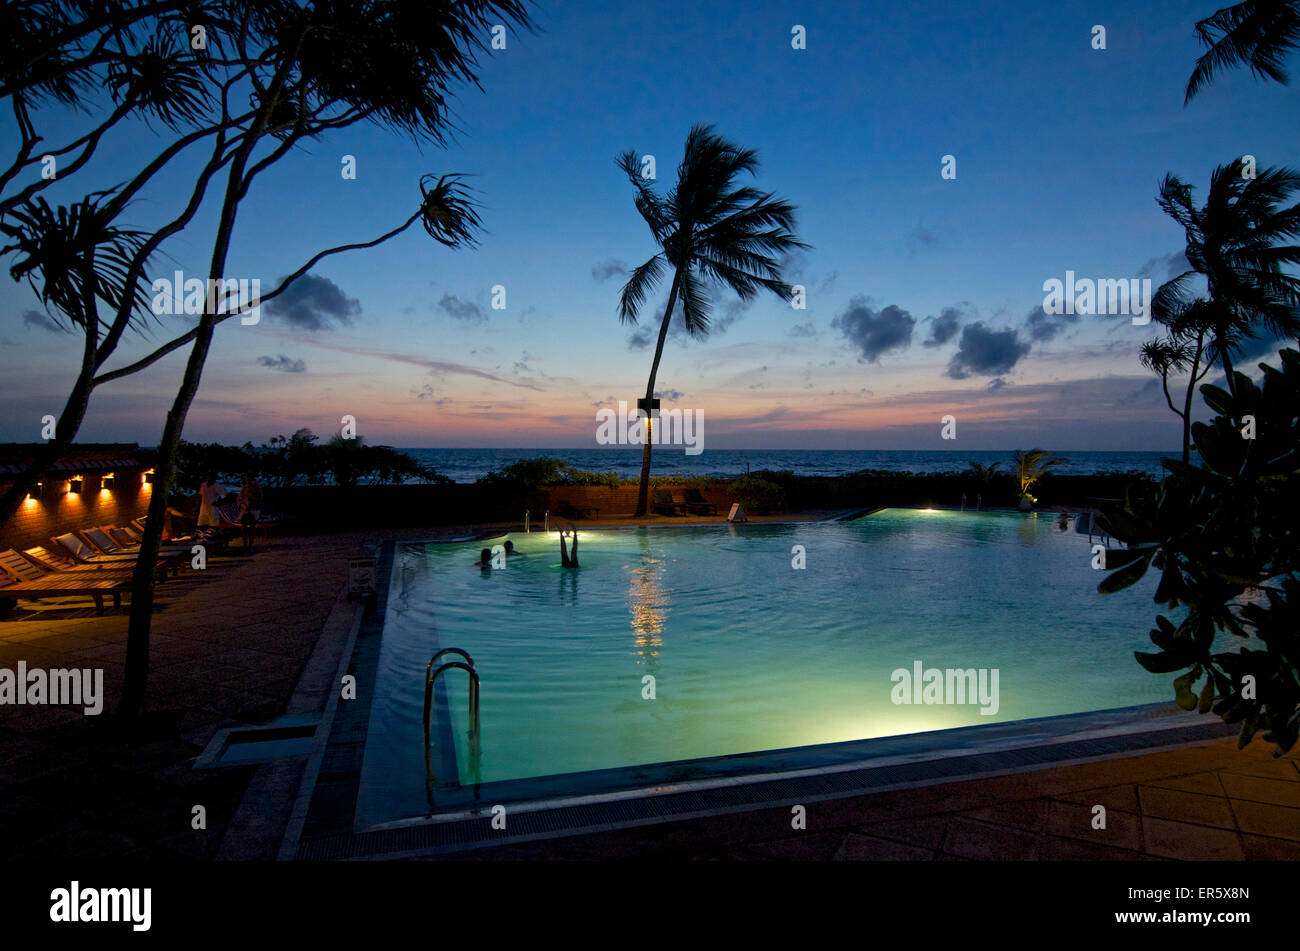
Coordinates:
(255, 637)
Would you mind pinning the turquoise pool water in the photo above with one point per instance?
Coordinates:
(747, 652)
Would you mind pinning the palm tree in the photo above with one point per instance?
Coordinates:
(1232, 243)
(984, 473)
(1184, 349)
(709, 231)
(1030, 467)
(1255, 33)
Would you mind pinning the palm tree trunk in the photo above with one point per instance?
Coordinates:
(145, 573)
(643, 493)
(1187, 402)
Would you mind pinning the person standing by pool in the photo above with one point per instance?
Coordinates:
(210, 492)
(250, 508)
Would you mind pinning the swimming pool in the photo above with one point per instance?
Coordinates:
(747, 651)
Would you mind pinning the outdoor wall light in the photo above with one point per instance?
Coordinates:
(148, 477)
(76, 484)
(35, 491)
(107, 483)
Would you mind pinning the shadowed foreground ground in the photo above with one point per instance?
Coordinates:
(231, 646)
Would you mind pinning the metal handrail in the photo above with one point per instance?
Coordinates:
(474, 685)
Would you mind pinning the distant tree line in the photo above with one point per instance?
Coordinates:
(300, 460)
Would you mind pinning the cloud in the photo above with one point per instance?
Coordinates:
(1163, 268)
(805, 329)
(874, 332)
(640, 338)
(1042, 327)
(603, 271)
(732, 311)
(996, 384)
(944, 327)
(437, 366)
(34, 318)
(462, 310)
(986, 352)
(283, 363)
(313, 303)
(671, 395)
(921, 237)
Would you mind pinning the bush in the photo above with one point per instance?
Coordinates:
(1223, 536)
(757, 493)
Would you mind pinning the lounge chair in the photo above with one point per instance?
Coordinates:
(229, 515)
(663, 500)
(46, 560)
(84, 553)
(20, 579)
(695, 502)
(102, 541)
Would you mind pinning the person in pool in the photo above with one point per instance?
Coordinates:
(567, 561)
(484, 559)
(510, 549)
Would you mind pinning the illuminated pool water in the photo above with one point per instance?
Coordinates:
(747, 652)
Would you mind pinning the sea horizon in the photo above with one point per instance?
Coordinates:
(466, 464)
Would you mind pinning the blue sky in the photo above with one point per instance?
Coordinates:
(1059, 151)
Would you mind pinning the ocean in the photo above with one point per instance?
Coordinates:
(468, 465)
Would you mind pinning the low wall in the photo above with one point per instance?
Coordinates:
(322, 508)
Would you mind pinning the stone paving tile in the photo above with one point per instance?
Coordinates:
(1281, 769)
(1183, 840)
(1114, 798)
(1259, 789)
(1058, 849)
(1186, 807)
(1206, 784)
(928, 833)
(1075, 821)
(1261, 848)
(979, 840)
(865, 848)
(1264, 819)
(809, 847)
(1030, 815)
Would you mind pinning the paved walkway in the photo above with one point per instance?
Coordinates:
(229, 647)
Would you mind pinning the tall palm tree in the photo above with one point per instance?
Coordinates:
(1030, 467)
(1232, 241)
(709, 231)
(1255, 33)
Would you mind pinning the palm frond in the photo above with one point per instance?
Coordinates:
(638, 286)
(1258, 34)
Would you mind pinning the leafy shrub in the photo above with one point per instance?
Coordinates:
(757, 493)
(1223, 535)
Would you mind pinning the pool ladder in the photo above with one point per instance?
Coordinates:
(431, 674)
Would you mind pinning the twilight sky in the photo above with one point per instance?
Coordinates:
(924, 295)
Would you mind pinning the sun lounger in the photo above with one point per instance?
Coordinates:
(102, 541)
(663, 500)
(84, 553)
(697, 503)
(229, 515)
(20, 579)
